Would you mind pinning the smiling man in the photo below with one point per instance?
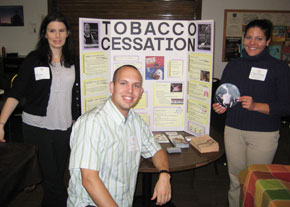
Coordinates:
(106, 146)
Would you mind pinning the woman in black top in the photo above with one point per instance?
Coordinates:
(252, 126)
(49, 82)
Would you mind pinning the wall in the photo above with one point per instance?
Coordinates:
(114, 9)
(212, 9)
(34, 10)
(22, 39)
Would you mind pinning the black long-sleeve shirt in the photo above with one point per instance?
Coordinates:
(274, 90)
(36, 92)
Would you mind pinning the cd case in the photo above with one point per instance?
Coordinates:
(179, 141)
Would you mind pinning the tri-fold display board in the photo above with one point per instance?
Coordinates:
(175, 59)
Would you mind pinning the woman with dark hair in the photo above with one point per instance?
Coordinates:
(49, 81)
(252, 126)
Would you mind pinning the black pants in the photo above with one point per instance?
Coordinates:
(52, 150)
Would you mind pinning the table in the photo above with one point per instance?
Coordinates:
(188, 159)
(19, 168)
(265, 185)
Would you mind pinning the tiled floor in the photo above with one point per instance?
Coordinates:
(200, 187)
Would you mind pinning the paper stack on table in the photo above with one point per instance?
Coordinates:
(161, 138)
(205, 144)
(178, 141)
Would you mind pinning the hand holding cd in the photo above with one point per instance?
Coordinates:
(227, 95)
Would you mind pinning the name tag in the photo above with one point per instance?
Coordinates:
(41, 73)
(132, 144)
(258, 74)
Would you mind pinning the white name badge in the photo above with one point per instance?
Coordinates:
(41, 73)
(258, 74)
(132, 144)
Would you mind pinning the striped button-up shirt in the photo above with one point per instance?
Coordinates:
(104, 140)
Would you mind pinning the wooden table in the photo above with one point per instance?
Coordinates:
(188, 159)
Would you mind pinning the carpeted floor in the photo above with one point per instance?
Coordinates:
(201, 187)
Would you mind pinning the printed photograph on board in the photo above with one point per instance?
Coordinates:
(204, 36)
(90, 35)
(154, 67)
(204, 75)
(176, 87)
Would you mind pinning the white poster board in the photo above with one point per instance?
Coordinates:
(175, 59)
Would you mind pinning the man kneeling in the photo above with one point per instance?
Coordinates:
(106, 147)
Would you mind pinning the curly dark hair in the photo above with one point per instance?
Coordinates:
(264, 24)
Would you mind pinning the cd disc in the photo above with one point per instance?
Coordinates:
(227, 95)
